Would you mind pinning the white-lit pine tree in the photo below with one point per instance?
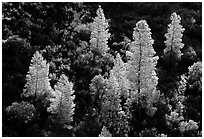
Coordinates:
(141, 68)
(119, 72)
(109, 94)
(173, 42)
(62, 103)
(98, 88)
(99, 33)
(112, 114)
(37, 92)
(37, 85)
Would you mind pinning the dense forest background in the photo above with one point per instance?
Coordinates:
(61, 33)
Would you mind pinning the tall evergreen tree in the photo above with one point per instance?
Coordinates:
(109, 94)
(112, 114)
(141, 67)
(97, 89)
(92, 59)
(62, 103)
(37, 88)
(99, 33)
(37, 85)
(172, 55)
(119, 72)
(173, 42)
(37, 91)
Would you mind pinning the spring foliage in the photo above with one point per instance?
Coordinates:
(62, 104)
(141, 67)
(174, 37)
(37, 82)
(99, 33)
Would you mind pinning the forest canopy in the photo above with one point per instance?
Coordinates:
(100, 69)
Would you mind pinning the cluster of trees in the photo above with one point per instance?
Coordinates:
(68, 70)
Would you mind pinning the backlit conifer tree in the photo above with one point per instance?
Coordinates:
(37, 92)
(174, 38)
(37, 85)
(112, 115)
(109, 94)
(141, 68)
(119, 72)
(98, 88)
(99, 33)
(62, 103)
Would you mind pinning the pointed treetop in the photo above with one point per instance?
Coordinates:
(175, 17)
(37, 78)
(174, 37)
(142, 25)
(142, 35)
(99, 11)
(38, 59)
(100, 16)
(118, 61)
(175, 23)
(99, 33)
(119, 69)
(142, 28)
